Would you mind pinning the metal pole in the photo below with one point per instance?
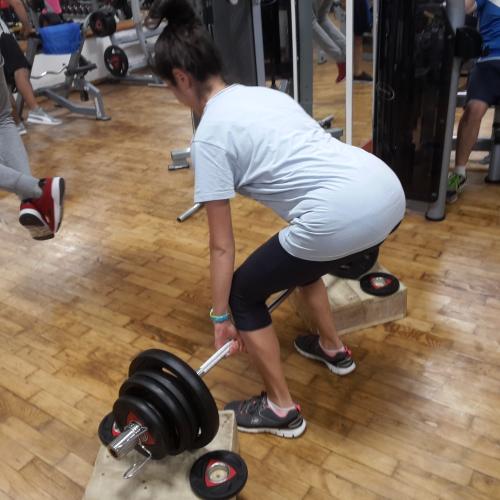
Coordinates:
(188, 213)
(279, 300)
(303, 35)
(374, 52)
(494, 170)
(225, 349)
(456, 15)
(295, 54)
(349, 70)
(258, 40)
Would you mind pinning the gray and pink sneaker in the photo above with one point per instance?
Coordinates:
(255, 416)
(340, 364)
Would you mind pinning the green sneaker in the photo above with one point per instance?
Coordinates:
(456, 183)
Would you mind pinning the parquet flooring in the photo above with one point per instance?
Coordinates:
(417, 419)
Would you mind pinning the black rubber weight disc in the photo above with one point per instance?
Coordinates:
(105, 429)
(218, 475)
(200, 397)
(379, 284)
(116, 61)
(129, 409)
(178, 433)
(182, 405)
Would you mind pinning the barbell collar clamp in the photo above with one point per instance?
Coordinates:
(127, 440)
(134, 469)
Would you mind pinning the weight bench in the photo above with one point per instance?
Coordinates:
(74, 73)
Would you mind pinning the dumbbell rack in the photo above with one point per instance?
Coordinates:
(77, 10)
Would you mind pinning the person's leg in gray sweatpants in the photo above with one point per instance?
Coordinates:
(328, 37)
(38, 208)
(15, 172)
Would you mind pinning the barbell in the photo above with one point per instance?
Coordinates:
(164, 407)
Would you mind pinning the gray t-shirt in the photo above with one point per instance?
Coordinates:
(337, 199)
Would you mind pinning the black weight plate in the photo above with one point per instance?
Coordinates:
(129, 409)
(178, 432)
(102, 22)
(108, 430)
(219, 474)
(116, 61)
(379, 284)
(200, 397)
(175, 389)
(105, 431)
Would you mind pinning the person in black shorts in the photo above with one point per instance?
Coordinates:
(483, 91)
(362, 25)
(41, 208)
(17, 69)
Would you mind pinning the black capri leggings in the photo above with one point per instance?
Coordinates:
(271, 269)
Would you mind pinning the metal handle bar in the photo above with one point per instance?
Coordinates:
(45, 73)
(226, 348)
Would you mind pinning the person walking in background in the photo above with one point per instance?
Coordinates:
(17, 69)
(41, 209)
(328, 37)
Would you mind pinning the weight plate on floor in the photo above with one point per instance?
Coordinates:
(199, 395)
(178, 433)
(116, 61)
(379, 284)
(183, 404)
(129, 409)
(219, 474)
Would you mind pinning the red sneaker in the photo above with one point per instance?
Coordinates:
(32, 220)
(50, 204)
(342, 71)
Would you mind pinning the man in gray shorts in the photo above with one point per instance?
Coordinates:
(41, 199)
(483, 91)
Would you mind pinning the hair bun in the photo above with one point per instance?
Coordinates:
(178, 13)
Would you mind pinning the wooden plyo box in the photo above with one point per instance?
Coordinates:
(352, 308)
(166, 478)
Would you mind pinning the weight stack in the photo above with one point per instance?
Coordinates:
(415, 51)
(166, 478)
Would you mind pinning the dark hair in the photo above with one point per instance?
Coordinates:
(184, 43)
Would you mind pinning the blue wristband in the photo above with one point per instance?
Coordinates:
(219, 318)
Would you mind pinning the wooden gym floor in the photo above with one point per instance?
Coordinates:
(417, 419)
